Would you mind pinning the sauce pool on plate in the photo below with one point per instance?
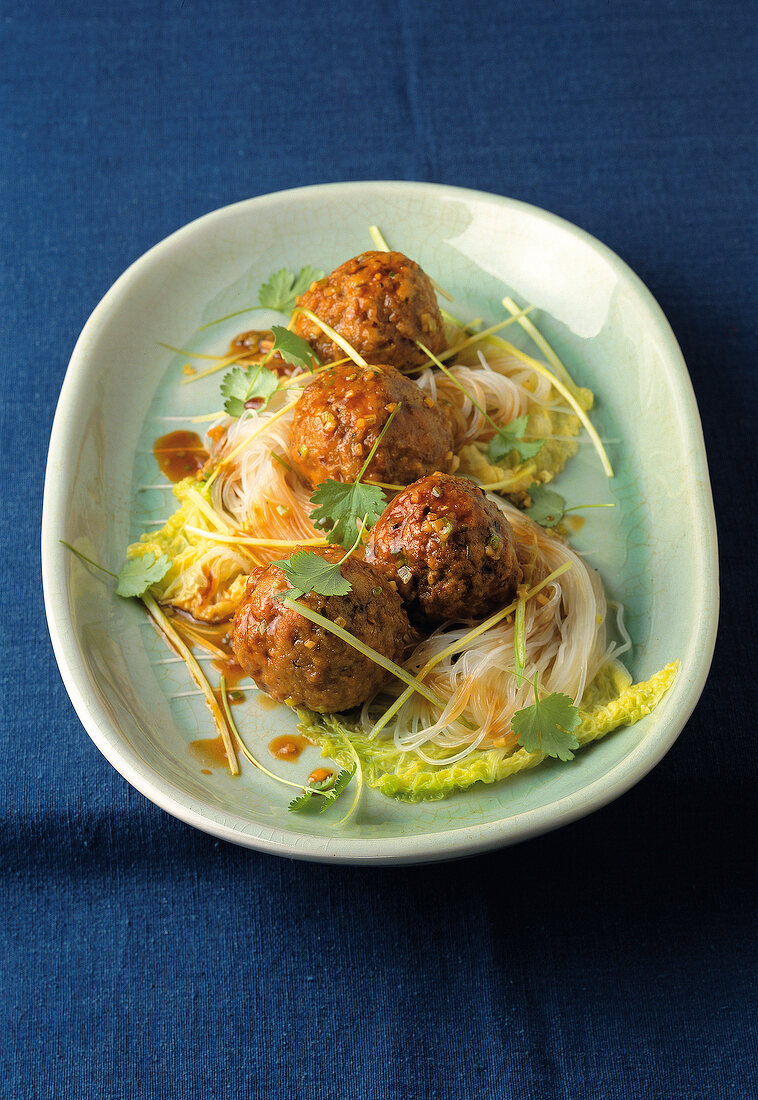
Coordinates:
(180, 454)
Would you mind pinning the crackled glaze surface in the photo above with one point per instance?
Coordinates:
(656, 549)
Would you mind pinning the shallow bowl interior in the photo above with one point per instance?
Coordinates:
(656, 550)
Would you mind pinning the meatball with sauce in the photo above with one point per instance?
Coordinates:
(449, 549)
(339, 417)
(302, 664)
(381, 303)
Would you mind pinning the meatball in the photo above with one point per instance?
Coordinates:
(449, 549)
(382, 303)
(339, 417)
(302, 664)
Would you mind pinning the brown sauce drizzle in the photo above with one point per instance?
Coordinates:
(575, 523)
(210, 752)
(288, 746)
(180, 454)
(231, 672)
(252, 344)
(319, 775)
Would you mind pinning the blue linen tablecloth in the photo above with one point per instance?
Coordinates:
(142, 958)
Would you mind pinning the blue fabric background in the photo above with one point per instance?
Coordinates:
(144, 959)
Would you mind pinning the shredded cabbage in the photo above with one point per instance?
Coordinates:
(610, 701)
(206, 579)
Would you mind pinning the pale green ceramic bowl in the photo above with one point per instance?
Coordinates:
(656, 550)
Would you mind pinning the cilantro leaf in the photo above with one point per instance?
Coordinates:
(547, 726)
(510, 438)
(309, 572)
(139, 573)
(283, 288)
(240, 386)
(340, 507)
(292, 348)
(328, 790)
(547, 506)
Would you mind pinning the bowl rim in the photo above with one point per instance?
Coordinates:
(456, 842)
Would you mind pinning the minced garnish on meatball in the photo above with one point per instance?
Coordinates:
(300, 663)
(448, 548)
(339, 417)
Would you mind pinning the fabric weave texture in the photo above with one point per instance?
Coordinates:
(141, 958)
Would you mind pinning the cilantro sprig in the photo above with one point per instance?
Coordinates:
(547, 725)
(142, 573)
(308, 572)
(279, 292)
(283, 288)
(508, 437)
(327, 790)
(137, 576)
(242, 386)
(292, 348)
(340, 505)
(548, 507)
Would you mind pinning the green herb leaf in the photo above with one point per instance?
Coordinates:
(327, 790)
(292, 348)
(301, 801)
(510, 438)
(140, 573)
(283, 288)
(547, 506)
(340, 507)
(240, 386)
(309, 572)
(546, 726)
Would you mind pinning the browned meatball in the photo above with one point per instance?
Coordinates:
(340, 415)
(449, 549)
(382, 303)
(302, 664)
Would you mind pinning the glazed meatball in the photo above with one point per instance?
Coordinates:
(339, 416)
(382, 303)
(449, 549)
(302, 664)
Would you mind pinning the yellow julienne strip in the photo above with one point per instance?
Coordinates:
(454, 647)
(385, 485)
(221, 365)
(189, 354)
(208, 511)
(244, 540)
(376, 236)
(332, 334)
(532, 331)
(565, 392)
(245, 751)
(286, 383)
(469, 326)
(477, 336)
(261, 428)
(198, 676)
